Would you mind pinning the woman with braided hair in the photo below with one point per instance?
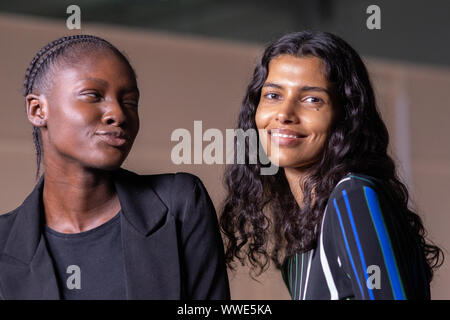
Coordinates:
(90, 229)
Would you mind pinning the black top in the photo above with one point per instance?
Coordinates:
(170, 238)
(89, 265)
(365, 249)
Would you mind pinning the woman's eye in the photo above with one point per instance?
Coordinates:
(272, 96)
(314, 100)
(131, 103)
(91, 94)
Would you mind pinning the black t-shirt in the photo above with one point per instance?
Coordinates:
(89, 265)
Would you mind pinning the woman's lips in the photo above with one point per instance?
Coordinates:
(113, 139)
(286, 138)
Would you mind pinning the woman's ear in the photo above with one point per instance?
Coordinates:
(36, 110)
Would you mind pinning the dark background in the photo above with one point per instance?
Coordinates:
(412, 31)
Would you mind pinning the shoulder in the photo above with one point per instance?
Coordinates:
(359, 195)
(355, 181)
(358, 187)
(163, 183)
(174, 189)
(184, 188)
(185, 195)
(5, 218)
(354, 203)
(6, 223)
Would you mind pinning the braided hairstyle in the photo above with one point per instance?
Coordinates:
(66, 49)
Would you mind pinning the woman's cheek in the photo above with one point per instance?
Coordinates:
(263, 117)
(261, 120)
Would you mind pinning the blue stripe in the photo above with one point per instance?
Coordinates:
(383, 238)
(355, 233)
(347, 247)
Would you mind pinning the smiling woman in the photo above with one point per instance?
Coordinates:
(90, 229)
(335, 218)
(295, 109)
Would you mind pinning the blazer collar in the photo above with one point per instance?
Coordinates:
(26, 231)
(141, 206)
(136, 196)
(27, 268)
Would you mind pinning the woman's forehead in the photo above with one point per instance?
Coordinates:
(106, 66)
(292, 70)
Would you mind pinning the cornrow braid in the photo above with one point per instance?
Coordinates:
(45, 58)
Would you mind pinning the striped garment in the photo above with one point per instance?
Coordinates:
(364, 250)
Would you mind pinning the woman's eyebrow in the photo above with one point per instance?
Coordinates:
(319, 89)
(99, 81)
(302, 89)
(102, 82)
(132, 89)
(273, 85)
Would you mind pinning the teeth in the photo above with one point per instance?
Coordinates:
(274, 134)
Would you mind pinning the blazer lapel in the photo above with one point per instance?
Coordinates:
(148, 237)
(26, 267)
(149, 240)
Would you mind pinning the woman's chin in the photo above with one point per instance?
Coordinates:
(106, 164)
(109, 161)
(284, 162)
(293, 163)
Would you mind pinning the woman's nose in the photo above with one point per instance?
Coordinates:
(114, 114)
(286, 114)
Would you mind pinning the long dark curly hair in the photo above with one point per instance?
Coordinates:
(260, 217)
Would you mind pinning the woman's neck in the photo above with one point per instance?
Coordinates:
(295, 178)
(77, 199)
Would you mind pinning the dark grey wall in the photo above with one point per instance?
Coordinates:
(414, 31)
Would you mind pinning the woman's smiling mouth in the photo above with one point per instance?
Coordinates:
(285, 137)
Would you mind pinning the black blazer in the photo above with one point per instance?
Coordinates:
(171, 242)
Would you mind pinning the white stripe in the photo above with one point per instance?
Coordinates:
(342, 180)
(326, 266)
(307, 273)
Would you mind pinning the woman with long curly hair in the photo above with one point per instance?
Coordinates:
(335, 217)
